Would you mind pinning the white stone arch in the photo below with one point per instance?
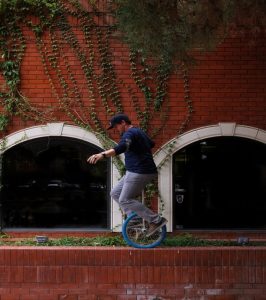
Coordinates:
(163, 156)
(64, 130)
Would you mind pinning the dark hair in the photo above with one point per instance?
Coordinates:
(117, 119)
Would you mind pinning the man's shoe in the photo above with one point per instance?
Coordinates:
(153, 227)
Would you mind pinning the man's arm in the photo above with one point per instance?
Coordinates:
(120, 148)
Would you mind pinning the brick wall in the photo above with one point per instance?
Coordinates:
(90, 273)
(226, 85)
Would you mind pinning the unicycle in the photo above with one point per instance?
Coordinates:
(134, 232)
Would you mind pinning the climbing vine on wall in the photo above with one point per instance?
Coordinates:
(81, 28)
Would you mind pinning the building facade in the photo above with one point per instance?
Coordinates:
(208, 120)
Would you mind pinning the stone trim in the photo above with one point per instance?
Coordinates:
(65, 130)
(165, 172)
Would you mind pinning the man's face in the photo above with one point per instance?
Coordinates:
(120, 127)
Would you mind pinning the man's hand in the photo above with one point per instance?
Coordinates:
(94, 158)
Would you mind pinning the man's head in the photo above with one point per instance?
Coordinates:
(119, 119)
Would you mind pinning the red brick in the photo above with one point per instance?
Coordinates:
(164, 258)
(4, 291)
(101, 258)
(27, 297)
(133, 275)
(10, 297)
(29, 274)
(47, 297)
(260, 297)
(222, 297)
(147, 257)
(126, 297)
(131, 258)
(61, 257)
(68, 297)
(49, 274)
(87, 297)
(48, 257)
(69, 274)
(106, 297)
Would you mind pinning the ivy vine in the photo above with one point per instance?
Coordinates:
(60, 27)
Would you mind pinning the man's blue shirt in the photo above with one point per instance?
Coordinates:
(137, 148)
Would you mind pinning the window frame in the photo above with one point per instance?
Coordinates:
(65, 130)
(163, 156)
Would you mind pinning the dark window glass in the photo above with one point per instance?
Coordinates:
(47, 183)
(220, 183)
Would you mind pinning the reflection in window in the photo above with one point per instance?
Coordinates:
(220, 183)
(47, 183)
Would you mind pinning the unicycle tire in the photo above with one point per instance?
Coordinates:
(134, 232)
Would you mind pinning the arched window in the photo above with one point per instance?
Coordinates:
(220, 183)
(47, 183)
(165, 162)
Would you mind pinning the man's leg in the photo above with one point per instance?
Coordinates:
(133, 185)
(116, 191)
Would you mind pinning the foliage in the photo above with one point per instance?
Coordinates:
(51, 23)
(174, 28)
(3, 121)
(68, 241)
(182, 240)
(193, 241)
(167, 30)
(52, 17)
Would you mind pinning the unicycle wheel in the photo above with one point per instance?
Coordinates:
(134, 232)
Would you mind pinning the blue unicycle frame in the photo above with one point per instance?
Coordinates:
(134, 231)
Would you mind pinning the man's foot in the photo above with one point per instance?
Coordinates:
(156, 226)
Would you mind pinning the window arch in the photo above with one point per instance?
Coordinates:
(63, 149)
(163, 157)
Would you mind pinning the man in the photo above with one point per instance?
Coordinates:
(140, 170)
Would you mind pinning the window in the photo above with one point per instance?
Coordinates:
(47, 183)
(220, 183)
